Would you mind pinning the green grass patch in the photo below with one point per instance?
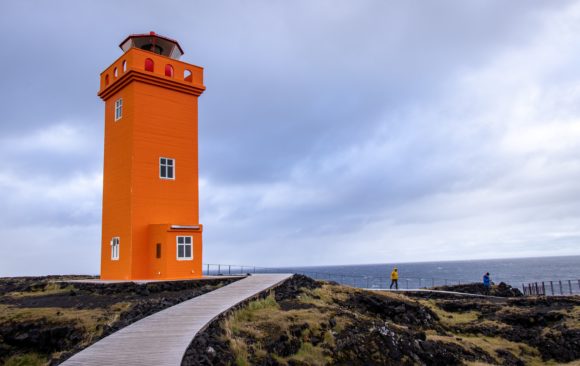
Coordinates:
(51, 288)
(28, 359)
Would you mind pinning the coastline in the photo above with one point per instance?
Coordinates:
(301, 322)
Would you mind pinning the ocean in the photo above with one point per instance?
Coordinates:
(513, 271)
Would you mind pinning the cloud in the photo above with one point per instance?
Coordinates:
(330, 131)
(488, 165)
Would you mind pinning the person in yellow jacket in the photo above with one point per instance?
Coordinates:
(395, 278)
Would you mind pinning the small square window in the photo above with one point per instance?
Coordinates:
(115, 243)
(118, 109)
(158, 251)
(166, 168)
(184, 248)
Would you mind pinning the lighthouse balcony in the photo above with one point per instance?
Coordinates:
(150, 63)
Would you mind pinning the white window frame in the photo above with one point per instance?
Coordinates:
(184, 244)
(167, 165)
(118, 109)
(115, 248)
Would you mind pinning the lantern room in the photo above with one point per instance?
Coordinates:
(153, 42)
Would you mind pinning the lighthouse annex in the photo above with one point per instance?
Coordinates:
(151, 226)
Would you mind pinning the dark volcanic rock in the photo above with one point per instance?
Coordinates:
(528, 319)
(374, 344)
(284, 345)
(501, 290)
(509, 359)
(563, 346)
(408, 313)
(40, 335)
(292, 287)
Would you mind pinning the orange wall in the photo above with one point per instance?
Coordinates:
(159, 120)
(167, 127)
(117, 187)
(168, 267)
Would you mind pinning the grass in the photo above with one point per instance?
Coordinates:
(51, 288)
(310, 355)
(28, 359)
(490, 345)
(91, 320)
(573, 318)
(243, 323)
(262, 320)
(451, 319)
(88, 318)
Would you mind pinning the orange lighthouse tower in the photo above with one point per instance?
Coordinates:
(151, 226)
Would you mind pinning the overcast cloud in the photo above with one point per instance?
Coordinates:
(331, 132)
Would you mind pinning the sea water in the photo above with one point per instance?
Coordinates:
(513, 271)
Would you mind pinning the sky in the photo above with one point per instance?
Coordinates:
(331, 132)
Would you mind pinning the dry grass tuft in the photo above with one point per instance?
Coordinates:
(27, 359)
(51, 288)
(311, 355)
(451, 319)
(491, 345)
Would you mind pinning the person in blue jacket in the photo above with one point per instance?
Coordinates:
(486, 282)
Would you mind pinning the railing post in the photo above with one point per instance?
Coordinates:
(570, 286)
(219, 269)
(561, 290)
(530, 288)
(229, 269)
(543, 289)
(552, 287)
(524, 289)
(208, 269)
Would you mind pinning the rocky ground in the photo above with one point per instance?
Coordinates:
(44, 321)
(305, 322)
(501, 290)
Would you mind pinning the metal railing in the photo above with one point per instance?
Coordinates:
(551, 288)
(360, 281)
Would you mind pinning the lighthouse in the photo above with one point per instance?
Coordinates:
(150, 227)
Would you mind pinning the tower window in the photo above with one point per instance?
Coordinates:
(166, 168)
(184, 247)
(149, 65)
(118, 109)
(169, 70)
(115, 248)
(158, 250)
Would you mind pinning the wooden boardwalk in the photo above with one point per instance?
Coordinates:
(162, 338)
